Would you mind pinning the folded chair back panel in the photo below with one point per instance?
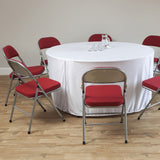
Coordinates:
(19, 68)
(108, 75)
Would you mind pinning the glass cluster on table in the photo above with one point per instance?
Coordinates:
(100, 46)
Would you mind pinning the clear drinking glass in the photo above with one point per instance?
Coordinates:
(93, 47)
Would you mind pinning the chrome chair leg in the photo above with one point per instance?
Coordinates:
(34, 104)
(54, 107)
(29, 130)
(41, 105)
(121, 116)
(126, 133)
(9, 90)
(13, 107)
(146, 106)
(84, 123)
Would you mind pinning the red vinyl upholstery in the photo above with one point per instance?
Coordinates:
(103, 95)
(152, 83)
(10, 52)
(29, 89)
(35, 70)
(47, 42)
(152, 40)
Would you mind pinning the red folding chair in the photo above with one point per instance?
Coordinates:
(9, 53)
(153, 40)
(151, 84)
(33, 89)
(97, 37)
(106, 92)
(45, 43)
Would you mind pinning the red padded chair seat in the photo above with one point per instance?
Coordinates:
(35, 70)
(46, 62)
(152, 83)
(29, 89)
(103, 95)
(156, 60)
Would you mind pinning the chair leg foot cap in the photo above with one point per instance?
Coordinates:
(84, 142)
(126, 141)
(138, 118)
(5, 104)
(29, 132)
(64, 120)
(159, 108)
(45, 110)
(10, 121)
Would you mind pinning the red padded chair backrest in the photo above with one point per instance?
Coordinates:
(48, 42)
(10, 52)
(152, 40)
(97, 37)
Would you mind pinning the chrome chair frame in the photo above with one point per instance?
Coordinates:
(104, 75)
(20, 70)
(43, 60)
(156, 70)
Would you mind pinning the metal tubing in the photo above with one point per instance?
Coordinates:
(9, 90)
(126, 133)
(13, 106)
(54, 107)
(84, 119)
(41, 105)
(147, 105)
(34, 104)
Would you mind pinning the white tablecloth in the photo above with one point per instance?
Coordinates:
(68, 62)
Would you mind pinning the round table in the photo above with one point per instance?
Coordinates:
(68, 62)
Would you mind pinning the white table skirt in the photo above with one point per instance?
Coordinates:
(67, 63)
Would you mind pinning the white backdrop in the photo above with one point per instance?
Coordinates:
(23, 22)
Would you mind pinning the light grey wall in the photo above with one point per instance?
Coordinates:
(23, 22)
